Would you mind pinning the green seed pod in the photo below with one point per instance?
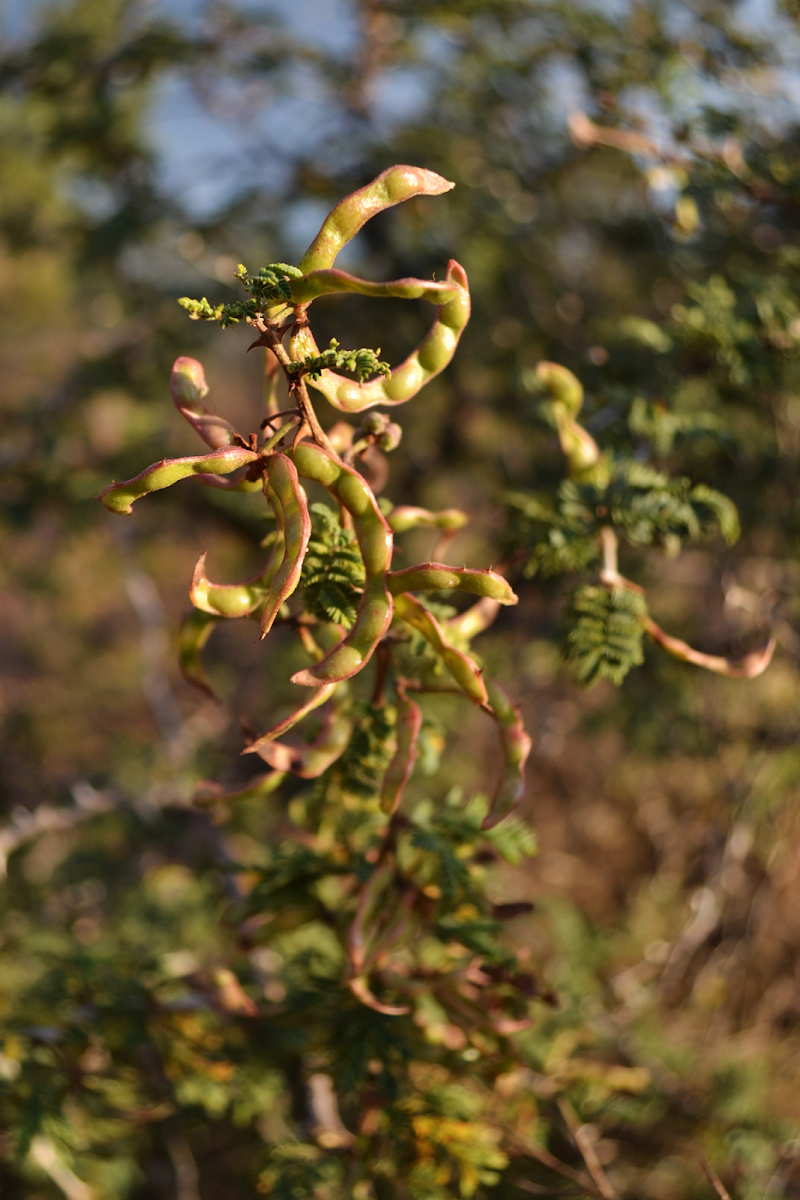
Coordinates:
(188, 389)
(335, 282)
(118, 497)
(351, 214)
(406, 516)
(193, 633)
(474, 620)
(516, 746)
(398, 773)
(258, 788)
(584, 460)
(466, 673)
(375, 543)
(311, 760)
(429, 359)
(234, 599)
(562, 385)
(434, 577)
(286, 494)
(267, 589)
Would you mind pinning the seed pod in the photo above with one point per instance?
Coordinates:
(564, 387)
(286, 495)
(429, 359)
(351, 214)
(262, 589)
(118, 497)
(465, 672)
(516, 746)
(406, 516)
(334, 282)
(433, 577)
(259, 787)
(584, 459)
(580, 449)
(193, 633)
(188, 389)
(319, 697)
(310, 761)
(234, 599)
(748, 666)
(375, 543)
(474, 620)
(398, 773)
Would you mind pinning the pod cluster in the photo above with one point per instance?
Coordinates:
(388, 613)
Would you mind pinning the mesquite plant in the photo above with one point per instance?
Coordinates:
(373, 1006)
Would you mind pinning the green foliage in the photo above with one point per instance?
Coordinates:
(333, 572)
(602, 633)
(644, 505)
(268, 289)
(362, 363)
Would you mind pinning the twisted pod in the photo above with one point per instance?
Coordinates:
(375, 543)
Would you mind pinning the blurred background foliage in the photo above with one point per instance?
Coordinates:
(628, 186)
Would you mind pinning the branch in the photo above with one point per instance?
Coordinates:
(584, 1144)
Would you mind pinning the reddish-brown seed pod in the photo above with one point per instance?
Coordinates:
(516, 746)
(398, 773)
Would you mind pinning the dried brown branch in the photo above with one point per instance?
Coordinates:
(586, 1147)
(716, 1182)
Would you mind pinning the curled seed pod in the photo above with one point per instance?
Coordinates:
(371, 901)
(516, 746)
(434, 577)
(398, 773)
(234, 599)
(564, 387)
(464, 671)
(319, 697)
(287, 497)
(118, 497)
(360, 988)
(258, 788)
(429, 359)
(375, 543)
(391, 187)
(747, 666)
(581, 451)
(193, 633)
(474, 620)
(584, 459)
(188, 389)
(311, 760)
(406, 516)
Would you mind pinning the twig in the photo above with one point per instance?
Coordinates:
(716, 1182)
(555, 1164)
(46, 818)
(271, 338)
(44, 1154)
(588, 1152)
(187, 1177)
